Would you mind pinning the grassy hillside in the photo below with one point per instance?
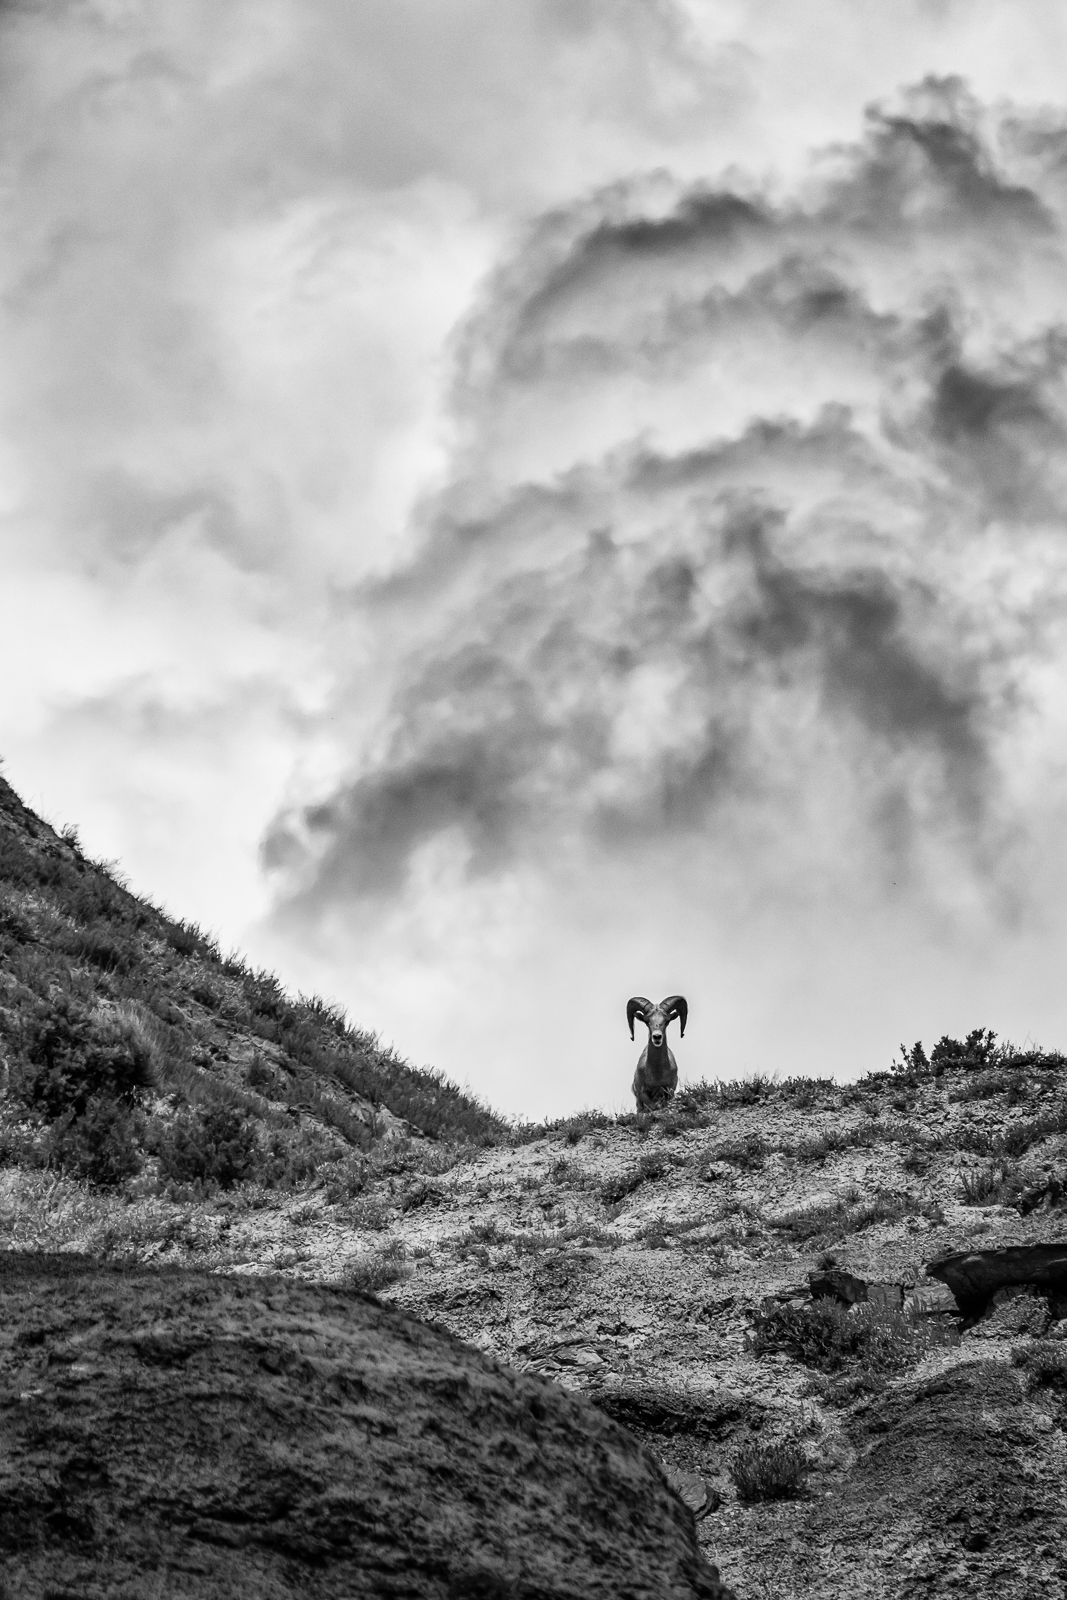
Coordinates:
(130, 1047)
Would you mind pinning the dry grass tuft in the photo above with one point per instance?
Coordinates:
(769, 1471)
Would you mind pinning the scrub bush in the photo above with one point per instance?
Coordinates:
(213, 1147)
(769, 1471)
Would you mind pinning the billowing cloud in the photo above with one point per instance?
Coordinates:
(589, 512)
(235, 242)
(751, 564)
(832, 420)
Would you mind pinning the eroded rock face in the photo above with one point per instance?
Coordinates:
(963, 1463)
(974, 1276)
(192, 1435)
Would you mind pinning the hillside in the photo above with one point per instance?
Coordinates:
(131, 1046)
(742, 1280)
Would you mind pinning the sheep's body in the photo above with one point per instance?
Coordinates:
(656, 1077)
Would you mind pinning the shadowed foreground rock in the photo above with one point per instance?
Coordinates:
(954, 1487)
(175, 1433)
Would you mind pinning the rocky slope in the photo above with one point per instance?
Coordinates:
(661, 1267)
(655, 1267)
(692, 1274)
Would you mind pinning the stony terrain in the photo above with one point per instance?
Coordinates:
(637, 1263)
(663, 1265)
(948, 1474)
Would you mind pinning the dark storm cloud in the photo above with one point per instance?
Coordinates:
(851, 629)
(916, 177)
(932, 162)
(730, 472)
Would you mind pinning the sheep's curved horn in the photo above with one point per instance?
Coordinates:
(676, 1005)
(637, 1007)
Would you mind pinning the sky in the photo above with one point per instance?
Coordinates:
(510, 504)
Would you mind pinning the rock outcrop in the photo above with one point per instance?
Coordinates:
(835, 1283)
(1044, 1196)
(974, 1276)
(931, 1300)
(187, 1434)
(961, 1465)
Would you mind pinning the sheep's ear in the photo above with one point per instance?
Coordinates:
(637, 1007)
(676, 1006)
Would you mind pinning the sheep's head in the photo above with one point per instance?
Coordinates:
(656, 1018)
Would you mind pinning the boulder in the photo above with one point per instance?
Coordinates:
(1048, 1194)
(698, 1494)
(659, 1411)
(931, 1300)
(836, 1283)
(209, 1437)
(974, 1276)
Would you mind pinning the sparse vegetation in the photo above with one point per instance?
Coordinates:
(712, 1245)
(587, 1232)
(420, 1194)
(344, 1179)
(827, 1336)
(102, 1144)
(850, 1213)
(566, 1173)
(803, 1093)
(368, 1213)
(488, 1232)
(108, 1003)
(985, 1085)
(916, 1160)
(696, 1098)
(818, 1147)
(1044, 1362)
(979, 1052)
(571, 1129)
(750, 1091)
(1015, 1139)
(747, 1153)
(656, 1234)
(211, 1147)
(998, 1183)
(377, 1271)
(769, 1471)
(556, 1272)
(646, 1170)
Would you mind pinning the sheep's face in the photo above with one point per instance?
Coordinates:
(657, 1021)
(656, 1018)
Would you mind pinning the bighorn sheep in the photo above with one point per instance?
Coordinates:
(656, 1077)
